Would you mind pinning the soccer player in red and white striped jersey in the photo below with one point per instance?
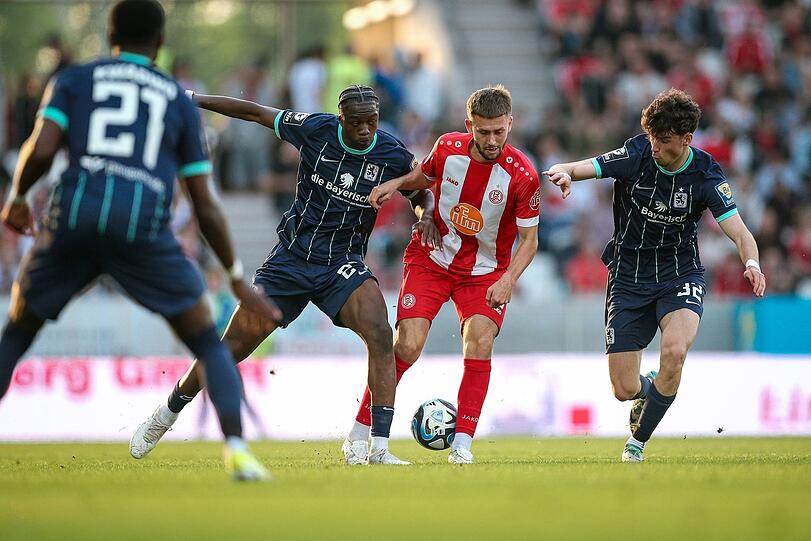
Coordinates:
(486, 192)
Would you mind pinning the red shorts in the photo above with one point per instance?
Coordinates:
(427, 286)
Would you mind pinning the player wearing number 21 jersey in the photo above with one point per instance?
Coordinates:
(129, 131)
(486, 193)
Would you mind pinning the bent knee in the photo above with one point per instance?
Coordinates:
(673, 357)
(623, 393)
(625, 389)
(379, 337)
(408, 351)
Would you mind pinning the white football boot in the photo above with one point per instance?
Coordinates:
(356, 452)
(459, 455)
(633, 453)
(384, 456)
(151, 431)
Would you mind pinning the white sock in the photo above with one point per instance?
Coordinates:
(378, 443)
(462, 441)
(166, 415)
(634, 441)
(236, 443)
(359, 432)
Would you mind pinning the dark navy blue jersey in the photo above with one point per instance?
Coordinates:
(331, 219)
(130, 132)
(656, 212)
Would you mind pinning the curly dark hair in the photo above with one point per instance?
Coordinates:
(672, 112)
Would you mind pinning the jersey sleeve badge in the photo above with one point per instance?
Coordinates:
(535, 201)
(617, 154)
(293, 118)
(725, 191)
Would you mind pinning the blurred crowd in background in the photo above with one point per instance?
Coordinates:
(747, 64)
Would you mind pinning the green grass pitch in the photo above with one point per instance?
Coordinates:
(563, 489)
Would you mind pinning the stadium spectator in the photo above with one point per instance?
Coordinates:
(344, 69)
(307, 80)
(245, 144)
(422, 90)
(25, 108)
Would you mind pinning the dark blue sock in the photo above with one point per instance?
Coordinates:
(643, 392)
(381, 420)
(222, 379)
(655, 407)
(177, 400)
(14, 342)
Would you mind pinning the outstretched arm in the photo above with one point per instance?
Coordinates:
(563, 174)
(413, 180)
(236, 108)
(735, 229)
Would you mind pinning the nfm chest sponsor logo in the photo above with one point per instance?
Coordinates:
(466, 219)
(341, 189)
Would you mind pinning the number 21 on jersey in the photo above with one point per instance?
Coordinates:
(125, 115)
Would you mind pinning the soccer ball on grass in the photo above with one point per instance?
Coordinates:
(434, 424)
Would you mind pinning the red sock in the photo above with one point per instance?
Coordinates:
(364, 416)
(472, 391)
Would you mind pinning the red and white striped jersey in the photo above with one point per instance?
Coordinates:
(479, 206)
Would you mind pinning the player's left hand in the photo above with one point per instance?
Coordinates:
(17, 217)
(757, 279)
(428, 233)
(500, 293)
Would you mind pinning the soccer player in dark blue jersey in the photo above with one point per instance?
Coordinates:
(129, 130)
(322, 243)
(662, 185)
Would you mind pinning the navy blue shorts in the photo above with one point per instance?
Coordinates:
(633, 311)
(155, 274)
(292, 282)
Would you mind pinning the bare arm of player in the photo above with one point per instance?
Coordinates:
(500, 293)
(36, 156)
(735, 229)
(215, 230)
(413, 180)
(563, 174)
(423, 204)
(236, 108)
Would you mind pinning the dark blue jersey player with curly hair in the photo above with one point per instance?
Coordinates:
(662, 185)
